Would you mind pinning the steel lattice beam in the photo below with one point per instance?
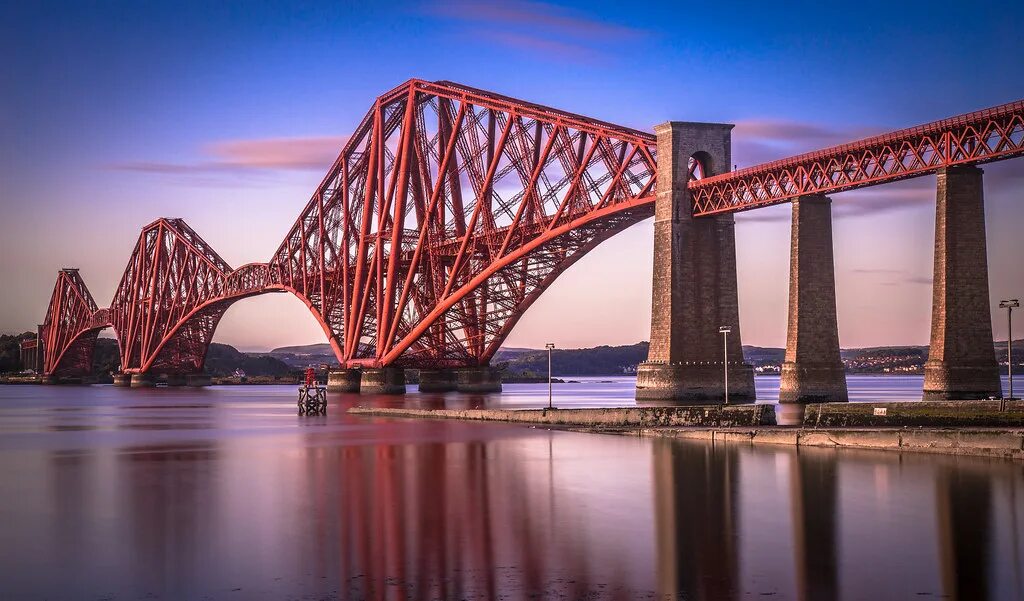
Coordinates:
(979, 137)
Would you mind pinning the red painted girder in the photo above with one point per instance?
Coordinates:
(982, 136)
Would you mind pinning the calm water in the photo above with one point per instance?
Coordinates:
(224, 493)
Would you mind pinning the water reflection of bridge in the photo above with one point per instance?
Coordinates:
(708, 549)
(441, 516)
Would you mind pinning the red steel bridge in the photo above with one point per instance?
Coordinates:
(447, 214)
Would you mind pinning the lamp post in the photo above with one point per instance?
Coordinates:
(1009, 305)
(724, 330)
(549, 346)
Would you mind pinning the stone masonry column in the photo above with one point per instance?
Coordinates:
(142, 381)
(436, 380)
(343, 380)
(478, 380)
(382, 380)
(695, 288)
(961, 362)
(813, 370)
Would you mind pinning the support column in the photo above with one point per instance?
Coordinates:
(695, 288)
(343, 380)
(478, 379)
(436, 380)
(122, 380)
(142, 381)
(40, 357)
(384, 380)
(961, 361)
(813, 370)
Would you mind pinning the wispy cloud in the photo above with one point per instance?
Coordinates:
(893, 277)
(537, 27)
(762, 140)
(238, 156)
(758, 141)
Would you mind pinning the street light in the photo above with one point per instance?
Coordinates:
(1009, 305)
(724, 330)
(549, 346)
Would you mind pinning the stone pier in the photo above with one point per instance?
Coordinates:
(480, 379)
(122, 380)
(695, 288)
(142, 381)
(961, 362)
(813, 370)
(384, 380)
(343, 380)
(198, 380)
(436, 380)
(175, 380)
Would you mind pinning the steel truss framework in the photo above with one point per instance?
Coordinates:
(979, 137)
(446, 215)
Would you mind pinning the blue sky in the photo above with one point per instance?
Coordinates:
(228, 114)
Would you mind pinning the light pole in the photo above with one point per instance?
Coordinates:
(549, 346)
(1009, 305)
(724, 330)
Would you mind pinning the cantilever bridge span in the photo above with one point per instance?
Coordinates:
(446, 215)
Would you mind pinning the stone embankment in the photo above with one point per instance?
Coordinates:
(977, 428)
(612, 418)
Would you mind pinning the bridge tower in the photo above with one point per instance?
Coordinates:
(961, 363)
(695, 289)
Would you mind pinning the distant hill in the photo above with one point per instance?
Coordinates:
(305, 349)
(618, 360)
(308, 355)
(223, 360)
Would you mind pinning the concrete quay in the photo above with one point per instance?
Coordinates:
(598, 419)
(975, 428)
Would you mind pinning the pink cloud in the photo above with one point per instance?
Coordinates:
(534, 14)
(279, 153)
(543, 46)
(758, 141)
(293, 154)
(537, 27)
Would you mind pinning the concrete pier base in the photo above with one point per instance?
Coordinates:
(175, 380)
(478, 379)
(68, 380)
(198, 380)
(142, 381)
(961, 363)
(694, 383)
(122, 380)
(436, 380)
(386, 380)
(813, 369)
(343, 380)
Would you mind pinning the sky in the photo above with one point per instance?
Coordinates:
(228, 114)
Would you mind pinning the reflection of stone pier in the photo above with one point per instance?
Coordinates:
(695, 520)
(963, 509)
(814, 490)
